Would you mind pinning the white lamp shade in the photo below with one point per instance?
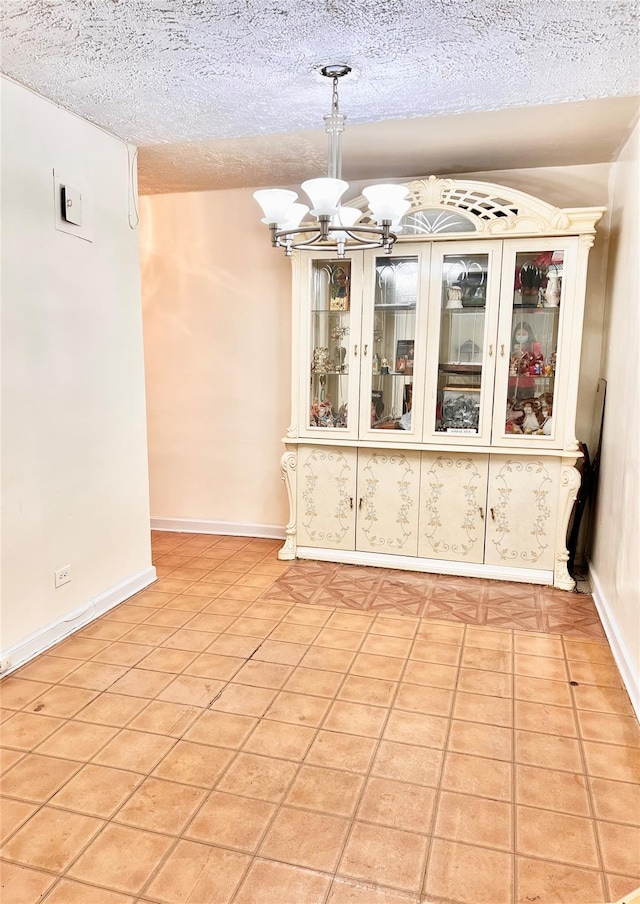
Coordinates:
(275, 203)
(403, 207)
(346, 216)
(386, 201)
(324, 195)
(295, 214)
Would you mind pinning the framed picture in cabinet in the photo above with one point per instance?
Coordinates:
(460, 411)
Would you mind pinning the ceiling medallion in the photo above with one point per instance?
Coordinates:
(335, 228)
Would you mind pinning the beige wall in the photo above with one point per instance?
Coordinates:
(217, 324)
(74, 468)
(615, 558)
(216, 302)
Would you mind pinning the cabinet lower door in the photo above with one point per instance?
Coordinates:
(522, 500)
(326, 489)
(388, 488)
(453, 493)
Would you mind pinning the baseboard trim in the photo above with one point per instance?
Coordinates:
(46, 637)
(618, 647)
(429, 566)
(224, 528)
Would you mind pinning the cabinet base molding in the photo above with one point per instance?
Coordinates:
(429, 566)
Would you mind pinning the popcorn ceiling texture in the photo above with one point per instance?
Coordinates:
(201, 85)
(155, 71)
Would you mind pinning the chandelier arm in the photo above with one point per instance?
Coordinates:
(351, 231)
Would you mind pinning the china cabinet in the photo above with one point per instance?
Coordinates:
(435, 389)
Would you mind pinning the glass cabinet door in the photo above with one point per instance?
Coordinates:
(465, 293)
(529, 342)
(392, 354)
(330, 346)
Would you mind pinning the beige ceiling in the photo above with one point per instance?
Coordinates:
(227, 93)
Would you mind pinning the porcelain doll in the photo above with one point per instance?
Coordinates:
(530, 422)
(545, 419)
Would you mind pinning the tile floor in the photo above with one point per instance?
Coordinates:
(257, 732)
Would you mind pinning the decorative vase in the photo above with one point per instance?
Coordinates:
(552, 291)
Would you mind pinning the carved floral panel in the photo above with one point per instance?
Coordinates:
(453, 490)
(326, 491)
(388, 488)
(522, 506)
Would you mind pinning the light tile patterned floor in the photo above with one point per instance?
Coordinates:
(257, 732)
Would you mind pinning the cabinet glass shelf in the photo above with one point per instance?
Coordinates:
(537, 299)
(463, 300)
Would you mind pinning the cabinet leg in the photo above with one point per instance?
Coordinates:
(288, 472)
(569, 486)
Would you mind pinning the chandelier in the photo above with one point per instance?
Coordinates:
(335, 228)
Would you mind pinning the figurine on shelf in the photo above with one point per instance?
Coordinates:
(537, 360)
(514, 418)
(325, 416)
(530, 423)
(341, 354)
(321, 414)
(545, 417)
(320, 364)
(384, 367)
(341, 417)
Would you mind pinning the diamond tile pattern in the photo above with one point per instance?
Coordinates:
(247, 731)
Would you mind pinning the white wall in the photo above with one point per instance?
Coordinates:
(217, 326)
(217, 299)
(615, 559)
(74, 468)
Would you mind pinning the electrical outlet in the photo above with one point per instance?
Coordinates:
(62, 576)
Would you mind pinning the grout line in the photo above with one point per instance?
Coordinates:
(514, 768)
(586, 774)
(438, 794)
(373, 757)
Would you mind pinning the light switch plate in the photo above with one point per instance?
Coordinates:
(76, 190)
(71, 205)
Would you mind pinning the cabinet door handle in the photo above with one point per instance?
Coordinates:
(481, 512)
(493, 515)
(364, 350)
(355, 350)
(361, 500)
(502, 350)
(491, 351)
(350, 501)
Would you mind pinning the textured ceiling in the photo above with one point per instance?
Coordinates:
(193, 72)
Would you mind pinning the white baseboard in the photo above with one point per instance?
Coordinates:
(46, 637)
(225, 528)
(619, 649)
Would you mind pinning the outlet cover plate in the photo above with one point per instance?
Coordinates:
(62, 576)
